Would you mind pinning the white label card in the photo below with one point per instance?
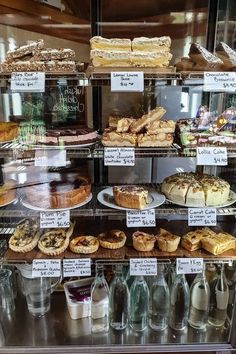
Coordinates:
(130, 81)
(143, 266)
(44, 268)
(212, 156)
(189, 265)
(119, 156)
(219, 81)
(202, 217)
(28, 82)
(139, 218)
(52, 158)
(54, 219)
(77, 267)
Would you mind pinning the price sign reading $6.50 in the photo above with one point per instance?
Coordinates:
(139, 218)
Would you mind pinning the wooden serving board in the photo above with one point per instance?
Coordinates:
(155, 253)
(28, 257)
(150, 70)
(102, 253)
(231, 254)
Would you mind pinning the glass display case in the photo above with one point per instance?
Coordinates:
(115, 236)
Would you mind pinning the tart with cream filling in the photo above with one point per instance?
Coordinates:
(84, 244)
(112, 239)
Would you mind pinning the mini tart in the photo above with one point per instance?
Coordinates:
(112, 239)
(167, 242)
(7, 192)
(84, 244)
(25, 237)
(143, 242)
(53, 242)
(133, 197)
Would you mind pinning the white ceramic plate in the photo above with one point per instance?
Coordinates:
(33, 207)
(105, 197)
(12, 201)
(230, 201)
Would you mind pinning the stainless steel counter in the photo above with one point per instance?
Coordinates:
(56, 332)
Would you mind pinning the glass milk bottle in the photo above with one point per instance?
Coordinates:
(118, 300)
(219, 298)
(159, 301)
(199, 302)
(139, 295)
(179, 303)
(99, 302)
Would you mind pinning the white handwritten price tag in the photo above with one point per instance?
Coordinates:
(201, 217)
(53, 219)
(119, 157)
(214, 156)
(28, 82)
(219, 81)
(52, 158)
(143, 266)
(131, 81)
(141, 218)
(44, 268)
(77, 267)
(189, 265)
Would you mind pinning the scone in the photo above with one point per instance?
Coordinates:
(112, 239)
(84, 244)
(133, 197)
(143, 242)
(167, 242)
(25, 237)
(54, 242)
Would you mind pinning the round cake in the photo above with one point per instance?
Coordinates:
(133, 197)
(7, 192)
(196, 190)
(59, 194)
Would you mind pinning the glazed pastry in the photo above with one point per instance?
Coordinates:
(25, 237)
(167, 242)
(161, 126)
(192, 240)
(112, 239)
(218, 243)
(84, 244)
(155, 140)
(112, 138)
(54, 242)
(133, 197)
(124, 124)
(139, 124)
(143, 242)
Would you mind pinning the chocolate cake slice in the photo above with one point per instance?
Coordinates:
(226, 54)
(204, 59)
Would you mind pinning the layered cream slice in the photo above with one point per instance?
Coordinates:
(196, 190)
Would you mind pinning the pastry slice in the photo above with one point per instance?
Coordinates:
(143, 242)
(133, 197)
(113, 138)
(216, 190)
(155, 44)
(167, 242)
(25, 236)
(110, 58)
(112, 239)
(139, 124)
(84, 244)
(161, 126)
(155, 140)
(124, 124)
(53, 242)
(98, 42)
(150, 59)
(226, 54)
(204, 58)
(218, 243)
(195, 195)
(192, 240)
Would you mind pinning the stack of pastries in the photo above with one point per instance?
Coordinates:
(200, 59)
(147, 131)
(122, 52)
(35, 57)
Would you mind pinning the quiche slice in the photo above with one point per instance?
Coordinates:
(84, 244)
(112, 239)
(25, 236)
(54, 242)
